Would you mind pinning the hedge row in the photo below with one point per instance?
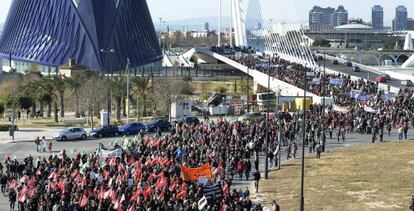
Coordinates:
(7, 127)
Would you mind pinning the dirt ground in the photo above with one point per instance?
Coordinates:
(372, 177)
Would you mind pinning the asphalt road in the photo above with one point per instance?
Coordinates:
(362, 74)
(21, 149)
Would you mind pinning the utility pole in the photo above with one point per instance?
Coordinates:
(128, 102)
(107, 51)
(13, 114)
(219, 26)
(323, 102)
(279, 134)
(267, 122)
(302, 185)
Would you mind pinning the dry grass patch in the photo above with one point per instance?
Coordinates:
(370, 177)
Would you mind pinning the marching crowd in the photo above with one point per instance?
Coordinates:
(148, 173)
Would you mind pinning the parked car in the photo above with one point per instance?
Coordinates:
(70, 134)
(349, 63)
(380, 79)
(131, 128)
(105, 131)
(190, 120)
(251, 116)
(356, 69)
(335, 62)
(407, 83)
(163, 124)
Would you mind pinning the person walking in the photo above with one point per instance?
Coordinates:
(400, 132)
(318, 150)
(37, 142)
(44, 144)
(275, 206)
(412, 203)
(256, 176)
(12, 199)
(294, 149)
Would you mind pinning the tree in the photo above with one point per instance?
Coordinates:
(59, 83)
(2, 108)
(93, 95)
(165, 92)
(185, 86)
(48, 86)
(119, 92)
(75, 85)
(141, 90)
(25, 102)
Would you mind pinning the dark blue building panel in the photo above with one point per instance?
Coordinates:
(49, 32)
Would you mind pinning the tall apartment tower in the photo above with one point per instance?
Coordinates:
(377, 17)
(401, 19)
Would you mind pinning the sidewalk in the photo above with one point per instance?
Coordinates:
(28, 134)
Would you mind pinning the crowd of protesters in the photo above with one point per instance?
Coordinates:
(146, 176)
(148, 173)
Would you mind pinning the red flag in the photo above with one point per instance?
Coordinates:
(61, 171)
(52, 185)
(6, 157)
(225, 188)
(105, 174)
(122, 199)
(31, 192)
(161, 182)
(75, 173)
(137, 174)
(181, 195)
(13, 184)
(217, 170)
(83, 182)
(61, 185)
(38, 172)
(136, 195)
(151, 177)
(101, 194)
(22, 194)
(84, 201)
(147, 191)
(132, 208)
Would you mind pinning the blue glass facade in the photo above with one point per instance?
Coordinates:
(49, 32)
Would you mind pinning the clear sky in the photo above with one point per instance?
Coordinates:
(182, 9)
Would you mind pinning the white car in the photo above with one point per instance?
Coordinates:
(407, 83)
(71, 134)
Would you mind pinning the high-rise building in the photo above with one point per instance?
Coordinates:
(401, 19)
(341, 16)
(410, 24)
(327, 18)
(377, 20)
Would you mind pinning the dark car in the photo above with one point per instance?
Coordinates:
(105, 131)
(356, 69)
(349, 63)
(335, 62)
(163, 124)
(190, 120)
(131, 128)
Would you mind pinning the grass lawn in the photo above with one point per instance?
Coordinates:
(370, 177)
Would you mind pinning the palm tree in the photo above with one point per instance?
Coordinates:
(60, 85)
(48, 86)
(75, 85)
(141, 89)
(119, 93)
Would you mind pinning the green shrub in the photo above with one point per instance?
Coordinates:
(7, 127)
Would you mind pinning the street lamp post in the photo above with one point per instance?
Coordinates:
(279, 134)
(323, 103)
(267, 122)
(302, 185)
(128, 102)
(107, 52)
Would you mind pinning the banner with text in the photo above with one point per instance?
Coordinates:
(195, 173)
